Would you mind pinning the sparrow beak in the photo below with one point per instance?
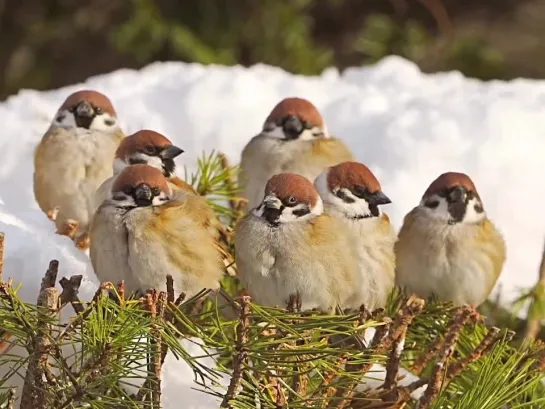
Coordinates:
(379, 198)
(143, 195)
(272, 211)
(85, 110)
(171, 152)
(272, 202)
(458, 194)
(292, 127)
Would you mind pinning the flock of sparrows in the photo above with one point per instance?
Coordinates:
(314, 225)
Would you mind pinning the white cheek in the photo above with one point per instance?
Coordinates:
(440, 212)
(154, 161)
(104, 122)
(471, 215)
(64, 119)
(160, 200)
(277, 133)
(258, 211)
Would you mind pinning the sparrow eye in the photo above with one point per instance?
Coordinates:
(156, 191)
(292, 200)
(99, 111)
(150, 150)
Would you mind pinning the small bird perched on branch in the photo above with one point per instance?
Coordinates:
(447, 246)
(73, 158)
(294, 139)
(287, 246)
(142, 233)
(352, 193)
(156, 150)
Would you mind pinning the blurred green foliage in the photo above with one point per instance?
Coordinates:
(50, 43)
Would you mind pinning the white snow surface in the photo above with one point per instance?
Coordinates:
(408, 127)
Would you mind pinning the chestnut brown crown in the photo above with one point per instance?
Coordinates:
(449, 180)
(351, 175)
(95, 98)
(299, 107)
(286, 185)
(134, 175)
(139, 141)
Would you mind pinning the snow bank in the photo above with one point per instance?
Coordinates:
(407, 126)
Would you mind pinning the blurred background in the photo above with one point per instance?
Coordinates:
(51, 43)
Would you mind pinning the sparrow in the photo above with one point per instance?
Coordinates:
(448, 247)
(287, 246)
(73, 158)
(150, 148)
(142, 233)
(294, 139)
(352, 194)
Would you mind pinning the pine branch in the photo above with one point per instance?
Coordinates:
(34, 395)
(537, 304)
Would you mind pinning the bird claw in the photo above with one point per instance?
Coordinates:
(83, 241)
(52, 214)
(69, 228)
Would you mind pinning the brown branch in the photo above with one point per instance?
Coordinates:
(534, 323)
(392, 367)
(11, 397)
(439, 12)
(34, 388)
(485, 346)
(439, 369)
(403, 319)
(70, 290)
(241, 354)
(2, 238)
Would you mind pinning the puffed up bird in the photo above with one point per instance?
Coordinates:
(73, 158)
(287, 246)
(141, 234)
(294, 139)
(447, 246)
(352, 193)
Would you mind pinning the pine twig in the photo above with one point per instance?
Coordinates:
(439, 370)
(241, 353)
(34, 388)
(392, 367)
(2, 238)
(403, 319)
(70, 290)
(485, 346)
(427, 356)
(534, 324)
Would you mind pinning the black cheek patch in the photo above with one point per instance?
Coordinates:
(478, 208)
(432, 204)
(301, 212)
(109, 122)
(347, 199)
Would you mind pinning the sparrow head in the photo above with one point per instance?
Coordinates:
(140, 186)
(452, 197)
(147, 147)
(86, 109)
(295, 118)
(289, 198)
(352, 189)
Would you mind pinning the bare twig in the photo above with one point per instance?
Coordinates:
(70, 289)
(439, 370)
(534, 323)
(403, 319)
(241, 353)
(2, 238)
(392, 367)
(34, 389)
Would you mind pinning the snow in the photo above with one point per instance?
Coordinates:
(408, 127)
